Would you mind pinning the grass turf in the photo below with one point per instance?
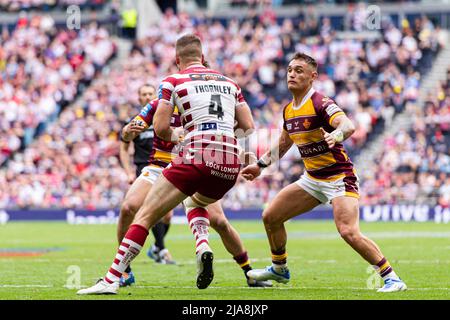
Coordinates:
(322, 265)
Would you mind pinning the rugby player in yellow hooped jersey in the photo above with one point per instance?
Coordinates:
(318, 127)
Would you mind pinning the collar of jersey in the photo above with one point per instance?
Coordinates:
(305, 98)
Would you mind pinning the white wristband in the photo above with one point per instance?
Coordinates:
(338, 135)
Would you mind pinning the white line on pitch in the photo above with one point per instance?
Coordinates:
(25, 286)
(283, 288)
(267, 260)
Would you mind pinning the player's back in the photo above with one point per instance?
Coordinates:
(207, 101)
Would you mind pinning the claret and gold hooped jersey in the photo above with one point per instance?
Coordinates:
(303, 124)
(163, 152)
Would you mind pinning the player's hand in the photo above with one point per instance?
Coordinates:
(251, 172)
(131, 177)
(329, 138)
(136, 126)
(177, 135)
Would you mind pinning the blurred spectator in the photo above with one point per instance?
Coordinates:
(414, 166)
(43, 71)
(76, 162)
(46, 5)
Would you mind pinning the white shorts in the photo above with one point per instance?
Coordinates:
(150, 173)
(325, 191)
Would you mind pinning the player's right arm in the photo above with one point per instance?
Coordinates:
(244, 124)
(244, 120)
(275, 153)
(164, 112)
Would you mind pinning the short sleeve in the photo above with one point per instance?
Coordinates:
(328, 110)
(239, 97)
(146, 114)
(166, 89)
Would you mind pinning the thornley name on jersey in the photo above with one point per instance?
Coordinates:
(212, 88)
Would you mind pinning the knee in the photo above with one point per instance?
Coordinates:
(220, 225)
(269, 218)
(349, 234)
(128, 209)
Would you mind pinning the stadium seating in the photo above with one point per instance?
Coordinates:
(415, 165)
(41, 72)
(47, 5)
(75, 164)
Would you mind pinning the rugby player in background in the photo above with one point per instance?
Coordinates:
(143, 148)
(318, 127)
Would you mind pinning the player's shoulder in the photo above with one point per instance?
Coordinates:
(320, 100)
(325, 105)
(172, 78)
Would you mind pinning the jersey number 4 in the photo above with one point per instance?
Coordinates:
(215, 106)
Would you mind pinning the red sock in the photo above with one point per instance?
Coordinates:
(129, 248)
(198, 219)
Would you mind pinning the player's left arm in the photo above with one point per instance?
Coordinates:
(162, 120)
(344, 128)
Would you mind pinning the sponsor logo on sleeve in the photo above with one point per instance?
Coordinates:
(332, 109)
(146, 110)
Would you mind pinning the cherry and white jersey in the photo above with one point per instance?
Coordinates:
(206, 100)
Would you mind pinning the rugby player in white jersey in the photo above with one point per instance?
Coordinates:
(209, 104)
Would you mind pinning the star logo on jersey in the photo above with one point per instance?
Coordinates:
(306, 124)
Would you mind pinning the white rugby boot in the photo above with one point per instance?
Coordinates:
(101, 287)
(270, 274)
(393, 285)
(205, 272)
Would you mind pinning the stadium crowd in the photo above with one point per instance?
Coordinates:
(47, 5)
(415, 165)
(75, 164)
(41, 72)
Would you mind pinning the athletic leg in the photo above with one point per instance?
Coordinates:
(130, 205)
(158, 251)
(292, 201)
(232, 242)
(133, 201)
(198, 219)
(346, 217)
(163, 198)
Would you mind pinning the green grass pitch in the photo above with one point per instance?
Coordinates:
(322, 265)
